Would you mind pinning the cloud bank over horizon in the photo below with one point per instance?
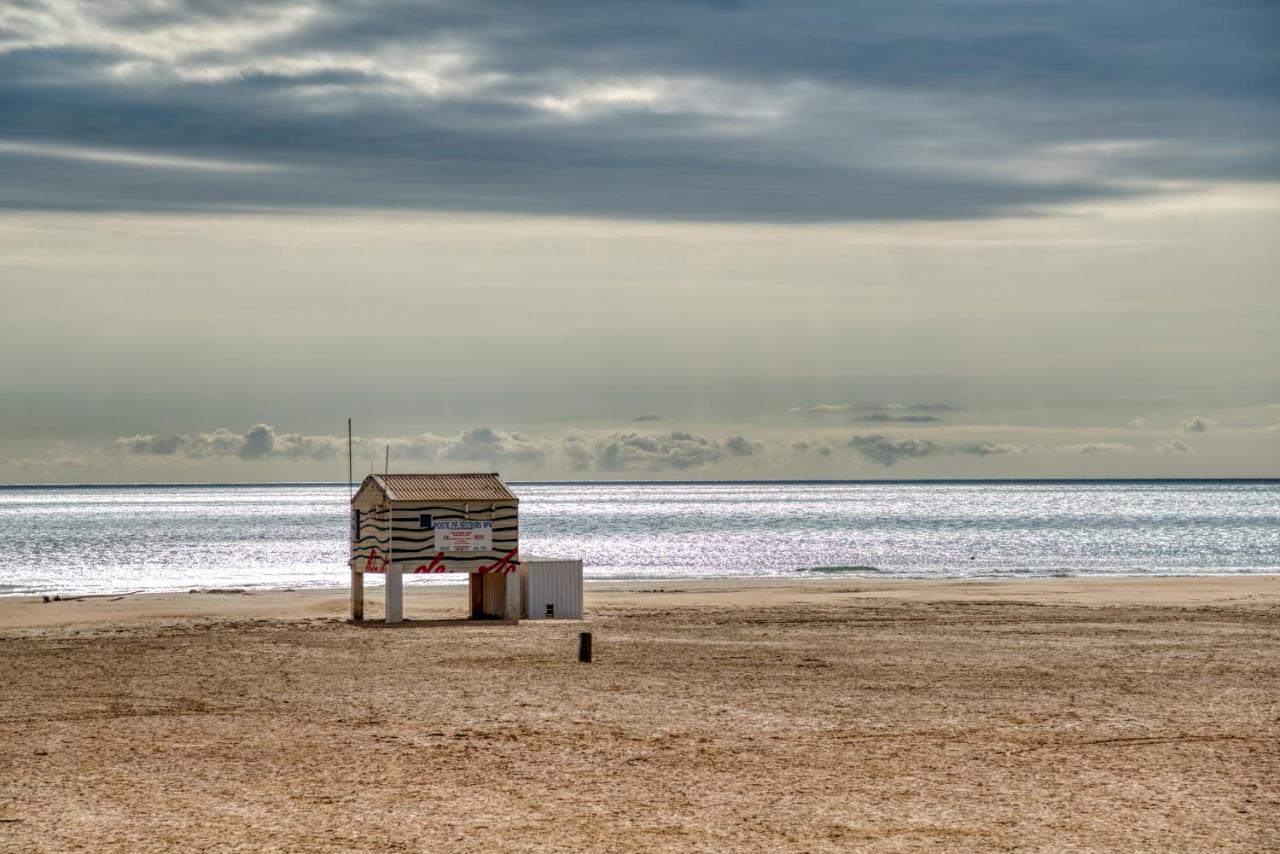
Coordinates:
(629, 453)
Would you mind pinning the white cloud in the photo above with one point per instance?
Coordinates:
(131, 158)
(985, 449)
(822, 408)
(1174, 446)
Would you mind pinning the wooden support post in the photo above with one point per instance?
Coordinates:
(511, 601)
(475, 586)
(357, 593)
(395, 594)
(584, 647)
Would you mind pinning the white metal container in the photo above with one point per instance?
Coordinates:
(551, 589)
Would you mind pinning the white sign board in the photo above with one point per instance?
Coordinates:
(457, 535)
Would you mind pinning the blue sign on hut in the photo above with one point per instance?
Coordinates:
(432, 523)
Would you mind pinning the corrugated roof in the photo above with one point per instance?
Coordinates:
(444, 487)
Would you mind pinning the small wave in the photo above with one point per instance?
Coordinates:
(835, 569)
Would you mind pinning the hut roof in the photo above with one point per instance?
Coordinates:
(441, 487)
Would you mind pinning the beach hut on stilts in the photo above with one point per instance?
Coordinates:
(435, 523)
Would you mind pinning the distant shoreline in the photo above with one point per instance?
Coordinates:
(807, 576)
(28, 612)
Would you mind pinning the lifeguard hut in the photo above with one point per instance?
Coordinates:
(434, 523)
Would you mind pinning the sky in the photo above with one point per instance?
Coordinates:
(653, 240)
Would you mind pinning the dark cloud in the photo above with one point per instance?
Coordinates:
(616, 452)
(883, 412)
(767, 111)
(151, 445)
(218, 443)
(647, 418)
(804, 446)
(914, 407)
(258, 443)
(263, 442)
(1097, 448)
(888, 417)
(1196, 424)
(887, 451)
(484, 444)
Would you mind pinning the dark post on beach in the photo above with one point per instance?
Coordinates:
(584, 647)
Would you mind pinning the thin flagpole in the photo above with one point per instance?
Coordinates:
(357, 579)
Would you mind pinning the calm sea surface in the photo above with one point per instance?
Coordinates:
(122, 538)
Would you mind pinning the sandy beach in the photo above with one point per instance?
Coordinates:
(1052, 714)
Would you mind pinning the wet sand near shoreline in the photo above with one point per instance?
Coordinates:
(1050, 714)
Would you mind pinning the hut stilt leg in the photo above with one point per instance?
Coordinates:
(395, 595)
(357, 594)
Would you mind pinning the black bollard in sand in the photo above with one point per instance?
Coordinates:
(584, 647)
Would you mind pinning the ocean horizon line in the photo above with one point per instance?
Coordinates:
(664, 482)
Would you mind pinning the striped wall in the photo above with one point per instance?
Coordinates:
(398, 530)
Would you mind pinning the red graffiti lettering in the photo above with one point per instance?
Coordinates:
(507, 564)
(436, 565)
(374, 564)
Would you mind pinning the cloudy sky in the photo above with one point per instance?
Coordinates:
(639, 240)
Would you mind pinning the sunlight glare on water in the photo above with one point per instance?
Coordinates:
(120, 538)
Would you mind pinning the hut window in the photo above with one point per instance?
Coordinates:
(424, 521)
(551, 611)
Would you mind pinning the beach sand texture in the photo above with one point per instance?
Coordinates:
(836, 715)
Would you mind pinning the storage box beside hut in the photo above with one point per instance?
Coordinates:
(434, 523)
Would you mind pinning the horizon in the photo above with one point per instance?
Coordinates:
(667, 482)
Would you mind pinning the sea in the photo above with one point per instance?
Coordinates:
(73, 540)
